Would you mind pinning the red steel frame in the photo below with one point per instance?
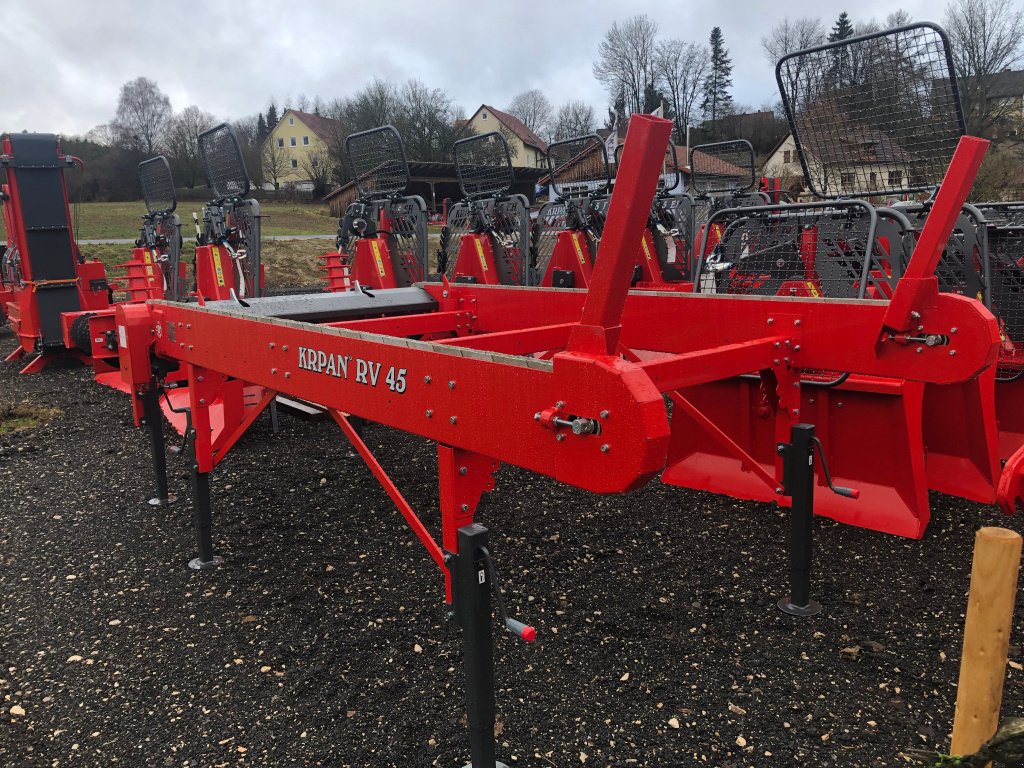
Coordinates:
(446, 386)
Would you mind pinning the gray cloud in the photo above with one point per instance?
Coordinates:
(66, 60)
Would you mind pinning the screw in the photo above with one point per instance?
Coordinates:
(190, 347)
(451, 385)
(797, 322)
(426, 379)
(559, 437)
(796, 385)
(796, 348)
(796, 411)
(271, 345)
(287, 374)
(465, 507)
(776, 361)
(952, 330)
(202, 402)
(915, 314)
(560, 404)
(444, 294)
(189, 326)
(430, 413)
(919, 350)
(777, 345)
(453, 420)
(605, 448)
(605, 414)
(839, 405)
(771, 321)
(463, 471)
(952, 353)
(810, 401)
(284, 348)
(273, 370)
(198, 378)
(779, 489)
(536, 416)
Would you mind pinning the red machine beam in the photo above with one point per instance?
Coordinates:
(635, 185)
(692, 368)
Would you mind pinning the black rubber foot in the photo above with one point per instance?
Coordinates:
(199, 565)
(497, 764)
(813, 608)
(158, 502)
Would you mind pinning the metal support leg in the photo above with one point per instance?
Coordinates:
(473, 609)
(154, 422)
(203, 518)
(798, 481)
(275, 425)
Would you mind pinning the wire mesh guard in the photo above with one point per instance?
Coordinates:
(725, 166)
(222, 158)
(579, 166)
(673, 220)
(168, 230)
(1006, 275)
(484, 165)
(671, 171)
(378, 163)
(873, 115)
(407, 238)
(961, 267)
(507, 222)
(1003, 214)
(157, 185)
(552, 218)
(793, 250)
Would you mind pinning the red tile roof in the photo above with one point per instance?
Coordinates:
(518, 127)
(325, 128)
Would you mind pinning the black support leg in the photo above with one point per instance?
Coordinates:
(203, 518)
(154, 422)
(472, 592)
(798, 479)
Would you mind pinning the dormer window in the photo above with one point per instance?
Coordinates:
(483, 115)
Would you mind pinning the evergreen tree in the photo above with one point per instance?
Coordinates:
(261, 129)
(717, 99)
(842, 29)
(271, 116)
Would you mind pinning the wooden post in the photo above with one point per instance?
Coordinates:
(986, 637)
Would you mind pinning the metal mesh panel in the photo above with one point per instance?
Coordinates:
(222, 158)
(1006, 273)
(461, 221)
(407, 238)
(157, 185)
(794, 250)
(552, 218)
(484, 165)
(510, 226)
(877, 114)
(245, 216)
(168, 230)
(579, 166)
(377, 160)
(726, 166)
(961, 268)
(1003, 214)
(671, 171)
(673, 219)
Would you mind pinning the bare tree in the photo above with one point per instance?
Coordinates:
(275, 160)
(424, 118)
(142, 114)
(181, 142)
(534, 110)
(102, 134)
(316, 165)
(792, 35)
(247, 131)
(626, 60)
(986, 36)
(681, 67)
(376, 104)
(575, 118)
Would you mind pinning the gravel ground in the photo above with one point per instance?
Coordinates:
(322, 640)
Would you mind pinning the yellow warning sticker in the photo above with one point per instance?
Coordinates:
(480, 253)
(579, 249)
(375, 247)
(647, 251)
(149, 262)
(217, 266)
(813, 290)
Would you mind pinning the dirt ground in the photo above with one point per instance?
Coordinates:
(323, 641)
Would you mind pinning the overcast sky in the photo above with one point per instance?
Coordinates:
(65, 60)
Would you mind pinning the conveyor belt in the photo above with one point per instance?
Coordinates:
(331, 307)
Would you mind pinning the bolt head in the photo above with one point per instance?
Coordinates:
(451, 385)
(426, 379)
(463, 471)
(429, 413)
(453, 420)
(605, 414)
(605, 448)
(559, 437)
(465, 507)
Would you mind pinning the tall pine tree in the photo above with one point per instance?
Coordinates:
(271, 116)
(261, 129)
(717, 99)
(842, 29)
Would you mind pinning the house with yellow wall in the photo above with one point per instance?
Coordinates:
(526, 148)
(298, 141)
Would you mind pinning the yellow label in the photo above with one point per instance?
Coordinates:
(647, 251)
(813, 289)
(579, 249)
(480, 253)
(217, 266)
(375, 247)
(149, 262)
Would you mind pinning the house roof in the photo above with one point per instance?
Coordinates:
(420, 170)
(1006, 84)
(325, 128)
(713, 165)
(518, 127)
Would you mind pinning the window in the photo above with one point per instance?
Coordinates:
(295, 163)
(874, 178)
(314, 161)
(847, 180)
(280, 143)
(895, 178)
(483, 115)
(787, 156)
(292, 141)
(305, 141)
(291, 121)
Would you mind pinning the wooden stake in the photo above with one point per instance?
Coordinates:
(986, 637)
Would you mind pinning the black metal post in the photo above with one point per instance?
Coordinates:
(154, 422)
(472, 595)
(203, 514)
(798, 483)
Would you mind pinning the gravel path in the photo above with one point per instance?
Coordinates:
(323, 641)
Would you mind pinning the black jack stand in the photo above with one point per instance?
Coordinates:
(203, 516)
(154, 422)
(798, 483)
(472, 597)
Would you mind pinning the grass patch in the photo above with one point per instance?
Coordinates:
(121, 221)
(17, 417)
